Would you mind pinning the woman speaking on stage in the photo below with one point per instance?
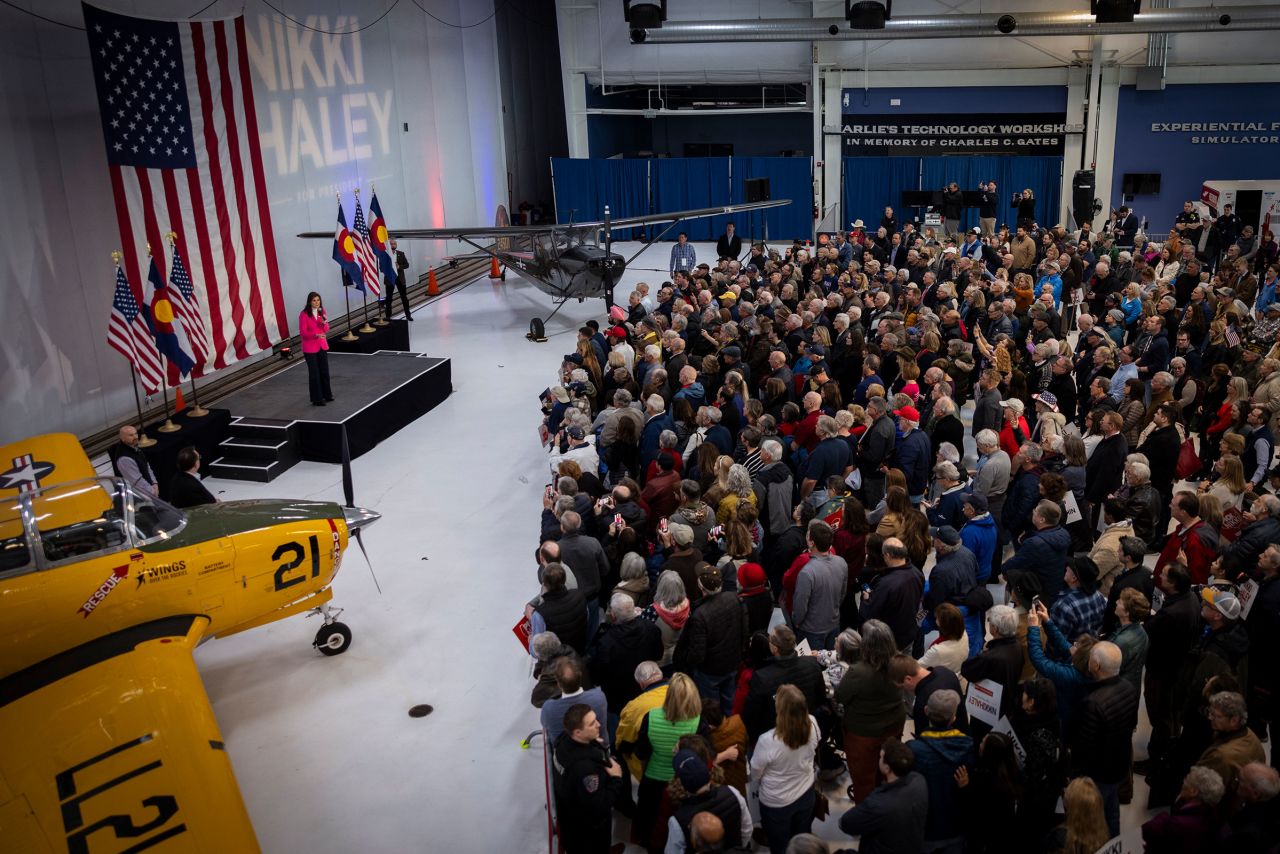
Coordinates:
(314, 328)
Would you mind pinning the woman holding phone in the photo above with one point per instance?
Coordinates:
(313, 328)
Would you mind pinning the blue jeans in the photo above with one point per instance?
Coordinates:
(1111, 806)
(782, 823)
(720, 688)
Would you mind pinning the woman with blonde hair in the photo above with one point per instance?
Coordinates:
(783, 764)
(1237, 390)
(1230, 486)
(1085, 829)
(718, 488)
(655, 745)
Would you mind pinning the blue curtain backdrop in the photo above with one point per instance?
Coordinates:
(789, 178)
(634, 187)
(583, 187)
(686, 183)
(870, 183)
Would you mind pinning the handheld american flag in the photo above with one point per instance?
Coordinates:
(364, 251)
(178, 117)
(186, 306)
(127, 334)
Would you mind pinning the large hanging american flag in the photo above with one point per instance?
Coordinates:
(182, 147)
(364, 252)
(127, 332)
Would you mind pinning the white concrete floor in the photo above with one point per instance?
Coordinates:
(324, 751)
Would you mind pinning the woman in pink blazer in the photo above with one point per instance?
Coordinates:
(314, 329)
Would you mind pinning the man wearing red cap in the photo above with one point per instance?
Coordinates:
(617, 337)
(914, 452)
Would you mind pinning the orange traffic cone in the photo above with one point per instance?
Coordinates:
(433, 287)
(179, 402)
(494, 272)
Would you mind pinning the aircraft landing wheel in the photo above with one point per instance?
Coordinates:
(537, 330)
(503, 275)
(453, 263)
(333, 639)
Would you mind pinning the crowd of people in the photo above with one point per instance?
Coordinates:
(767, 558)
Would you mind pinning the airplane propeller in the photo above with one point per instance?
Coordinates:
(608, 264)
(356, 517)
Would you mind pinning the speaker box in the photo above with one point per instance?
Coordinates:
(756, 189)
(1082, 195)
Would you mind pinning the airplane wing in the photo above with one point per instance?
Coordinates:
(42, 461)
(112, 746)
(515, 230)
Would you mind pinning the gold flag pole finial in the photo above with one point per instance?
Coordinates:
(148, 250)
(172, 237)
(357, 191)
(116, 255)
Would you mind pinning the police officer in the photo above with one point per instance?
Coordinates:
(588, 781)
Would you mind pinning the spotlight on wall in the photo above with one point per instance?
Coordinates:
(867, 14)
(1114, 11)
(644, 15)
(1006, 24)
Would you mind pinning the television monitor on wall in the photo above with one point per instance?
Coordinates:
(1140, 184)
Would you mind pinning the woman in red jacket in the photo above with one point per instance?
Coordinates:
(313, 328)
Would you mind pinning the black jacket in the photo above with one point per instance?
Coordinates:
(585, 556)
(619, 648)
(1102, 730)
(1161, 449)
(1139, 578)
(1172, 631)
(952, 204)
(565, 613)
(1241, 557)
(876, 447)
(585, 793)
(1105, 469)
(947, 429)
(1144, 507)
(802, 671)
(1001, 662)
(895, 600)
(186, 490)
(891, 819)
(727, 247)
(714, 637)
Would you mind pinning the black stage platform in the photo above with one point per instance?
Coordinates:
(393, 336)
(375, 395)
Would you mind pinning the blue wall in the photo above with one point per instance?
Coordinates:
(978, 99)
(610, 135)
(1183, 164)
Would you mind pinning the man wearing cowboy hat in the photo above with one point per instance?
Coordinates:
(1080, 608)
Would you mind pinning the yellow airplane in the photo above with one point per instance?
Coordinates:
(107, 739)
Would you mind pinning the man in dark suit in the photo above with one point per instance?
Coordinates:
(729, 245)
(402, 264)
(185, 489)
(1125, 227)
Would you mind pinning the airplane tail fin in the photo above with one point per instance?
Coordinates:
(500, 218)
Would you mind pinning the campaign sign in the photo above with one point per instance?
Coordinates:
(983, 701)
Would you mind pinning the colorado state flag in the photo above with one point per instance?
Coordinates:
(344, 250)
(378, 237)
(170, 338)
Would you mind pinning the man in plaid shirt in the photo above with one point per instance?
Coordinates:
(1079, 609)
(683, 257)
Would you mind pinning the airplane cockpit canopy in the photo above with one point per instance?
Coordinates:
(73, 521)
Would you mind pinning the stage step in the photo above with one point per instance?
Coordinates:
(242, 468)
(258, 449)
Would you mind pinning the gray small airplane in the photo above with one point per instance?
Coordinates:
(566, 261)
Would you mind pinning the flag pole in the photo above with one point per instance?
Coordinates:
(379, 316)
(346, 292)
(144, 441)
(364, 299)
(197, 411)
(168, 426)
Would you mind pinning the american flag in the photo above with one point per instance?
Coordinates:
(364, 252)
(186, 305)
(182, 146)
(127, 332)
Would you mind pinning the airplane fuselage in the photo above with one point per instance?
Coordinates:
(563, 267)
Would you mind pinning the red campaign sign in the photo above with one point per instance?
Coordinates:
(1232, 524)
(522, 630)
